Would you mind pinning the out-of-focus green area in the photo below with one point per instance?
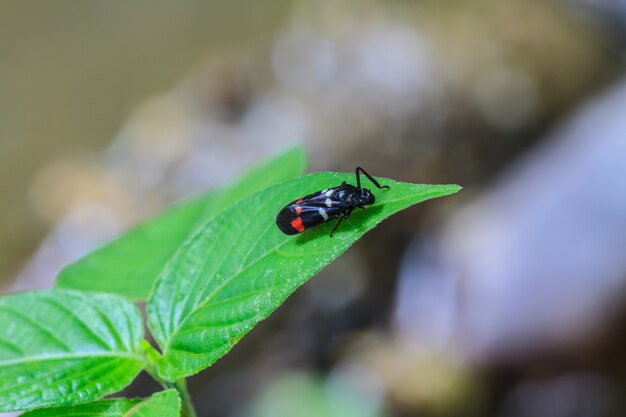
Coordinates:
(72, 71)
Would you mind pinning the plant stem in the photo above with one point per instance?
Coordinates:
(187, 410)
(181, 387)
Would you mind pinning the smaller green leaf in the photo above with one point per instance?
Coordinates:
(161, 404)
(66, 347)
(239, 267)
(129, 264)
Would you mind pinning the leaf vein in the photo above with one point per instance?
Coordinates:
(50, 335)
(81, 324)
(12, 346)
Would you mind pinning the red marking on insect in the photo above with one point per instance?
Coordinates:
(298, 201)
(297, 224)
(298, 210)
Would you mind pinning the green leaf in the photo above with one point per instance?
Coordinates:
(129, 264)
(161, 404)
(66, 347)
(239, 267)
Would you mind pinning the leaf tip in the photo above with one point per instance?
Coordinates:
(448, 189)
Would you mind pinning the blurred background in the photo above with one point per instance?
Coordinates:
(506, 300)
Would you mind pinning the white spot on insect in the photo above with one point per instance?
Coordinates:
(329, 202)
(341, 194)
(328, 193)
(323, 191)
(322, 212)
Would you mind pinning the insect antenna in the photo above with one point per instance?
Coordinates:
(358, 172)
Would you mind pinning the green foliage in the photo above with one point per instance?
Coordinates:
(161, 404)
(128, 265)
(65, 347)
(305, 395)
(239, 267)
(215, 268)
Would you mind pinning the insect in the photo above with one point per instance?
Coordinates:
(322, 206)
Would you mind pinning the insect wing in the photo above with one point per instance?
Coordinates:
(287, 221)
(308, 212)
(315, 214)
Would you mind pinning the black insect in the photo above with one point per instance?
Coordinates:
(322, 206)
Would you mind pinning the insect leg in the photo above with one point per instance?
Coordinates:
(360, 170)
(345, 216)
(336, 226)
